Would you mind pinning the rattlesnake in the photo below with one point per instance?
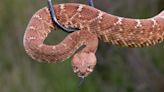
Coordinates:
(93, 25)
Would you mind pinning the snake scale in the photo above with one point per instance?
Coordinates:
(94, 25)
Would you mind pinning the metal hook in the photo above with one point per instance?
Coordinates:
(90, 2)
(55, 21)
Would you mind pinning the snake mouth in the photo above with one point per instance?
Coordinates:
(82, 74)
(79, 74)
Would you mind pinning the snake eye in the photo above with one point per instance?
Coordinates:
(90, 69)
(75, 69)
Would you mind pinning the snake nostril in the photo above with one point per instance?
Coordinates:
(82, 74)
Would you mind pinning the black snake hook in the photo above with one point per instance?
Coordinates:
(55, 21)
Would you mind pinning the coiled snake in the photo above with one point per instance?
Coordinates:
(94, 25)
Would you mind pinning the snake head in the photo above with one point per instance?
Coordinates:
(83, 63)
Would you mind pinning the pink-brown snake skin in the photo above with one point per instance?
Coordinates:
(93, 24)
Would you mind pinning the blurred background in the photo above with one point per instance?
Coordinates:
(118, 69)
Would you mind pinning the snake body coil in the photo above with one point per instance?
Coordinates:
(93, 25)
